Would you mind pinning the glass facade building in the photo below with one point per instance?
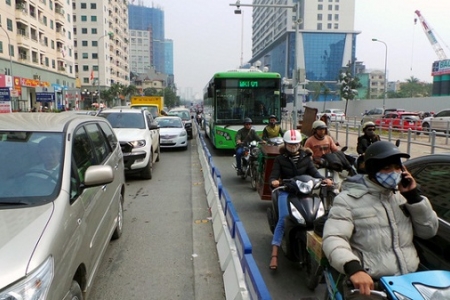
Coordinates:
(326, 40)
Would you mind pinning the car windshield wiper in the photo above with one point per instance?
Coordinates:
(12, 203)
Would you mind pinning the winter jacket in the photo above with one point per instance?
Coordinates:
(284, 168)
(247, 135)
(365, 141)
(374, 227)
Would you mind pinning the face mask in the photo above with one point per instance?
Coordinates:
(389, 180)
(292, 147)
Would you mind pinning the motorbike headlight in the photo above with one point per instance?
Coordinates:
(138, 144)
(297, 215)
(34, 286)
(305, 187)
(255, 151)
(321, 210)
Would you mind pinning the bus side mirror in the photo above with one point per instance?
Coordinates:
(283, 100)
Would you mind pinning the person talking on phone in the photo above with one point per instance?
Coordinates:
(370, 227)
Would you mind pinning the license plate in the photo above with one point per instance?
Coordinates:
(166, 141)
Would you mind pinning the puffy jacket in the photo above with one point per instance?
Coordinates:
(284, 168)
(375, 226)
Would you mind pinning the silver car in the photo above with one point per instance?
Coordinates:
(61, 196)
(439, 122)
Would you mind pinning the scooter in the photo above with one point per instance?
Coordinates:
(249, 160)
(304, 207)
(425, 285)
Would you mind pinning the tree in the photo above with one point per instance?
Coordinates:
(349, 85)
(414, 88)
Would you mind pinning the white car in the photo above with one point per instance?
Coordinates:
(172, 132)
(333, 115)
(138, 134)
(439, 122)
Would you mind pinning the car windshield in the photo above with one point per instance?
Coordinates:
(31, 167)
(169, 122)
(180, 113)
(410, 117)
(125, 120)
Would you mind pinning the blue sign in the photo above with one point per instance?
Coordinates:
(5, 94)
(45, 97)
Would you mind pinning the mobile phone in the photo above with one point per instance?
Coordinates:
(405, 182)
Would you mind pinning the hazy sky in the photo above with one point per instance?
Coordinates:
(207, 37)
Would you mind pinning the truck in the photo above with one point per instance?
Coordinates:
(154, 104)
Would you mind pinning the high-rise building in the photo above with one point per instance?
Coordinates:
(151, 19)
(140, 54)
(101, 42)
(326, 38)
(36, 52)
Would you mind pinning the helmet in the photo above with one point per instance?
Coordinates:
(248, 120)
(380, 154)
(319, 125)
(292, 137)
(272, 117)
(368, 124)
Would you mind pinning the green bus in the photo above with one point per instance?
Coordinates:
(230, 97)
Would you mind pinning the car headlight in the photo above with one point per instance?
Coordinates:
(138, 144)
(34, 286)
(183, 133)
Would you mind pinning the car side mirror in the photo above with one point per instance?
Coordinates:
(153, 126)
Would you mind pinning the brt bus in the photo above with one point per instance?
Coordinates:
(230, 97)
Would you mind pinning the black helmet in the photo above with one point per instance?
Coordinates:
(248, 120)
(272, 117)
(380, 154)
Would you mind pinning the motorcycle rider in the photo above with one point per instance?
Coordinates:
(273, 129)
(320, 142)
(370, 227)
(364, 141)
(244, 136)
(294, 160)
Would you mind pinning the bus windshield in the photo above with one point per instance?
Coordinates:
(234, 104)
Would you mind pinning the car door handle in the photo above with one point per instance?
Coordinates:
(116, 166)
(103, 187)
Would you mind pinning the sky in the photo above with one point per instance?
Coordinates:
(208, 37)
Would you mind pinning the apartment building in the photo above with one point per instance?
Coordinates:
(36, 52)
(101, 44)
(317, 36)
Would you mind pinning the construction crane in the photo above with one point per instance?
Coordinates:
(430, 35)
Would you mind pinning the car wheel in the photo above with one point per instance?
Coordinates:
(75, 292)
(119, 226)
(148, 170)
(426, 128)
(158, 152)
(185, 148)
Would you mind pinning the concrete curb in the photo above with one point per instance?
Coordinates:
(241, 276)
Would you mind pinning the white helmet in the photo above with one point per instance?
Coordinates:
(292, 137)
(319, 125)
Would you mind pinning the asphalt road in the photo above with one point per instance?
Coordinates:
(288, 282)
(167, 250)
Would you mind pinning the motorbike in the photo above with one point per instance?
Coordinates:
(249, 162)
(425, 285)
(304, 206)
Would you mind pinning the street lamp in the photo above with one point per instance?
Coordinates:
(385, 72)
(10, 58)
(297, 22)
(110, 34)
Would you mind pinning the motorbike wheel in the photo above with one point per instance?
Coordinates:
(271, 219)
(253, 176)
(314, 274)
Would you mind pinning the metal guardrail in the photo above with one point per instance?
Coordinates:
(430, 142)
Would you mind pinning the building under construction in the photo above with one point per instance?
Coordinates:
(440, 69)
